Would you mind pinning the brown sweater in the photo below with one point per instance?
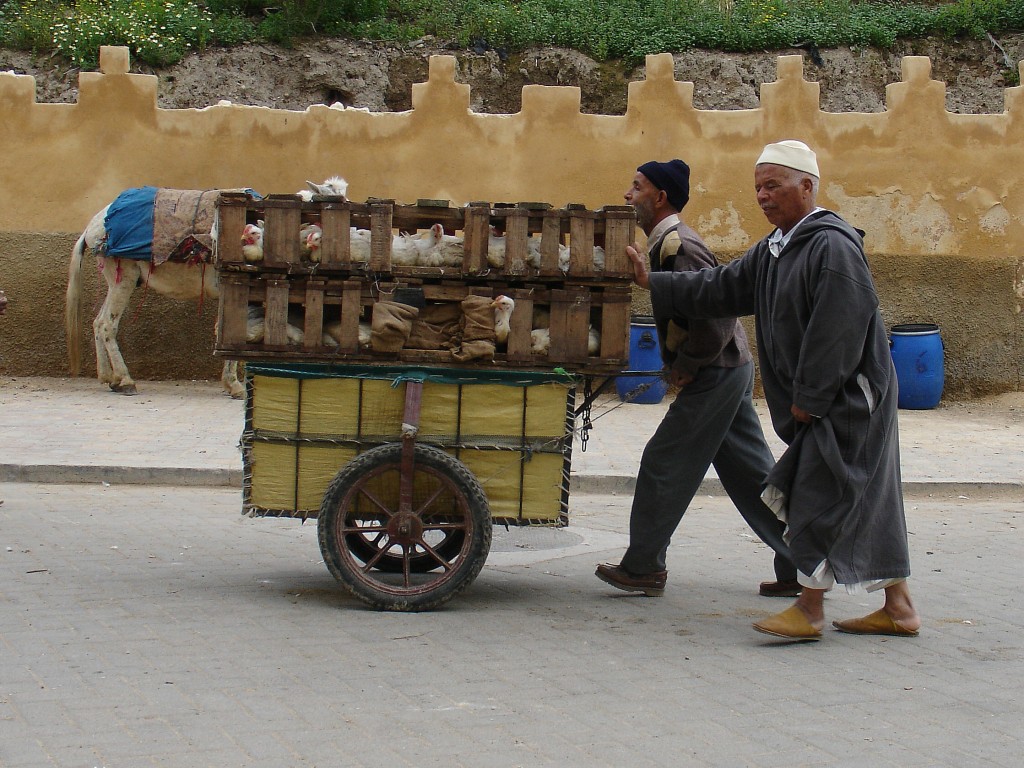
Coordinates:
(719, 343)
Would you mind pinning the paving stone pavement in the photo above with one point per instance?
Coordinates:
(153, 625)
(149, 625)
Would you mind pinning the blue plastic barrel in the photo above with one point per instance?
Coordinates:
(917, 354)
(644, 355)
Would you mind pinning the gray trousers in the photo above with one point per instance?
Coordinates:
(711, 421)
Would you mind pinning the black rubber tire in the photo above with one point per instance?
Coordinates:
(363, 501)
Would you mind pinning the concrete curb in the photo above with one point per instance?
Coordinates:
(610, 485)
(621, 485)
(56, 474)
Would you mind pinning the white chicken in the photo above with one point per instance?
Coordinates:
(438, 249)
(359, 245)
(503, 307)
(404, 251)
(332, 331)
(310, 238)
(563, 258)
(252, 242)
(332, 187)
(255, 326)
(496, 249)
(540, 341)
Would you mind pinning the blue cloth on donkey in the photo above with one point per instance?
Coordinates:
(129, 224)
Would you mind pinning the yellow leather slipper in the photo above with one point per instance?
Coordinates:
(791, 624)
(877, 623)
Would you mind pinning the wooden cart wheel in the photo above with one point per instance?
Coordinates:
(427, 524)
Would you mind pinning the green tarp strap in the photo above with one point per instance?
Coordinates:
(397, 374)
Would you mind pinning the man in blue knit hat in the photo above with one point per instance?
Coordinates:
(712, 419)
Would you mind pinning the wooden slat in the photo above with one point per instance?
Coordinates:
(281, 234)
(550, 239)
(581, 241)
(570, 322)
(380, 235)
(517, 230)
(521, 324)
(335, 220)
(615, 318)
(276, 317)
(619, 231)
(475, 231)
(313, 308)
(351, 308)
(232, 312)
(231, 213)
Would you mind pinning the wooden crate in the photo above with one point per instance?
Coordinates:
(548, 268)
(297, 310)
(538, 241)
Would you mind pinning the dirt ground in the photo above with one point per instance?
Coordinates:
(379, 76)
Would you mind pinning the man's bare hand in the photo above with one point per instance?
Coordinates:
(679, 378)
(804, 417)
(639, 258)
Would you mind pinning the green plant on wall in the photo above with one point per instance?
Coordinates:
(162, 31)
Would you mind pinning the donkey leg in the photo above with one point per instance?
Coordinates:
(229, 379)
(110, 364)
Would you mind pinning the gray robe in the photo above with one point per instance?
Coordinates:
(822, 346)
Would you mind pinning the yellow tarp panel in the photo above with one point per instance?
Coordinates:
(273, 476)
(274, 404)
(382, 408)
(318, 464)
(440, 412)
(505, 477)
(545, 410)
(498, 474)
(542, 487)
(348, 408)
(329, 407)
(492, 409)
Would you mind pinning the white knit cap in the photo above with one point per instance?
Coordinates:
(791, 154)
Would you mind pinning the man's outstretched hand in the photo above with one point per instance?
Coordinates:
(639, 258)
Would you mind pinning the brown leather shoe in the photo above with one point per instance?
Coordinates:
(651, 584)
(780, 588)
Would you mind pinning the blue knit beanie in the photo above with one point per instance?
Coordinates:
(673, 177)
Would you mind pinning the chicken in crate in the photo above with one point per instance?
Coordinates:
(412, 371)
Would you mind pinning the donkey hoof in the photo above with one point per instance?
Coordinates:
(124, 389)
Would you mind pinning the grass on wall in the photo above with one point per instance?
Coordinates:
(161, 32)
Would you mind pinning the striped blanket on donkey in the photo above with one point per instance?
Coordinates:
(161, 225)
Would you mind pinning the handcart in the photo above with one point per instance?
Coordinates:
(408, 459)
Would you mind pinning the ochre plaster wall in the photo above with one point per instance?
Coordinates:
(939, 194)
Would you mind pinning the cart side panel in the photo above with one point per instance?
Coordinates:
(302, 431)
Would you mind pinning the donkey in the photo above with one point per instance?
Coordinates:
(176, 280)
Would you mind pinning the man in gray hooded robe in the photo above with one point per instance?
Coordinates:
(831, 390)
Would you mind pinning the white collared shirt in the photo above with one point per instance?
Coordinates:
(669, 222)
(777, 241)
